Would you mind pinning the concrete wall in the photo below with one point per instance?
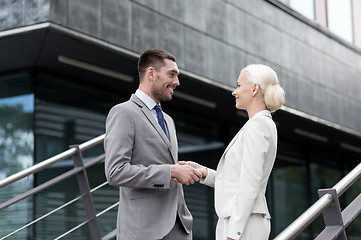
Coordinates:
(215, 39)
(17, 13)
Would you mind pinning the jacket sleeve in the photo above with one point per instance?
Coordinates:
(253, 146)
(210, 179)
(118, 146)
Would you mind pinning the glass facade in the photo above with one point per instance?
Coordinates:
(336, 15)
(289, 187)
(16, 148)
(339, 13)
(200, 141)
(305, 7)
(301, 169)
(69, 111)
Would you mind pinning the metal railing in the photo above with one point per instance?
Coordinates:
(51, 161)
(79, 171)
(328, 204)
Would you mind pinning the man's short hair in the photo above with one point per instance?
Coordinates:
(153, 58)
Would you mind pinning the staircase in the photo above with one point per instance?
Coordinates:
(79, 170)
(336, 221)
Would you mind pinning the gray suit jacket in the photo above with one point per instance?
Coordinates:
(137, 154)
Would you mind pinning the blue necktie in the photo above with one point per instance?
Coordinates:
(160, 118)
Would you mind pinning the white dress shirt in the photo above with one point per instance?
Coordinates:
(150, 103)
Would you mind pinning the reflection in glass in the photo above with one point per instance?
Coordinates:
(200, 198)
(16, 154)
(290, 193)
(353, 230)
(305, 7)
(57, 127)
(340, 18)
(322, 177)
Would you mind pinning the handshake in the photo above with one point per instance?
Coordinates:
(187, 172)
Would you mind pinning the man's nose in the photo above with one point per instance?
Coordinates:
(177, 82)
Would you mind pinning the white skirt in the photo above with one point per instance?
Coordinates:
(257, 227)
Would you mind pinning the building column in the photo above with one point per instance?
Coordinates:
(356, 6)
(321, 12)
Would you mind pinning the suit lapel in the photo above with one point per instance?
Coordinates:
(231, 143)
(259, 114)
(173, 137)
(156, 125)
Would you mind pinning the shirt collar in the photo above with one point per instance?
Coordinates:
(148, 101)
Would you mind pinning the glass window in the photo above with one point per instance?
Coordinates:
(322, 177)
(76, 113)
(16, 148)
(289, 192)
(198, 140)
(339, 17)
(70, 112)
(305, 7)
(353, 230)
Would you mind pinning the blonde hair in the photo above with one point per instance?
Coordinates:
(266, 77)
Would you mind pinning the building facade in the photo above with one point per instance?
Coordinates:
(65, 63)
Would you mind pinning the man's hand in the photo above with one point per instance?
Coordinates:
(196, 166)
(184, 173)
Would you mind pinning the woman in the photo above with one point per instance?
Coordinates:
(242, 174)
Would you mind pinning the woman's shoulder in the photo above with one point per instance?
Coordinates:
(261, 122)
(261, 117)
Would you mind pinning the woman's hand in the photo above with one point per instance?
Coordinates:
(196, 166)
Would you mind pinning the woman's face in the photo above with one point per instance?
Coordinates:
(243, 92)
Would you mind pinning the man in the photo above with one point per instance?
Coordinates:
(141, 157)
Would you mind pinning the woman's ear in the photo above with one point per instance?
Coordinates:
(255, 89)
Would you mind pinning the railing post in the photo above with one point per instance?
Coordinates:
(87, 197)
(332, 216)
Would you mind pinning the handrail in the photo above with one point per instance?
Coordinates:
(50, 161)
(62, 207)
(86, 221)
(317, 208)
(290, 232)
(79, 170)
(42, 217)
(49, 183)
(305, 219)
(348, 180)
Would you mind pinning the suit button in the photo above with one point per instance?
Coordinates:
(239, 233)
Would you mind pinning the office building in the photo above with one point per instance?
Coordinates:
(65, 63)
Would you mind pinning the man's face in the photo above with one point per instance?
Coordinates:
(166, 80)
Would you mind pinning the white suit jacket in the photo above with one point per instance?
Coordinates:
(242, 174)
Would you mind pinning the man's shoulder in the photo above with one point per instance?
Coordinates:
(166, 115)
(127, 107)
(125, 104)
(129, 104)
